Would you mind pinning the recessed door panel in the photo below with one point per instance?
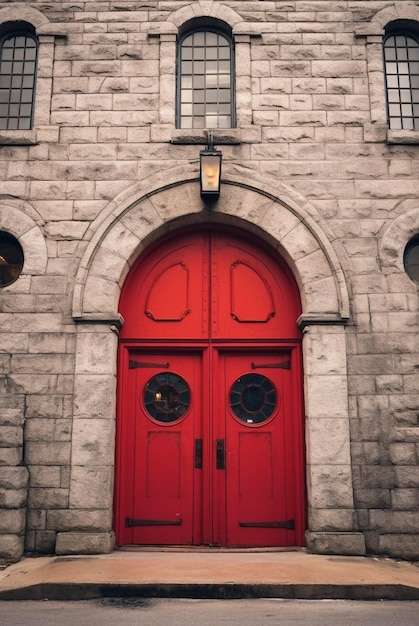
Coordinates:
(252, 297)
(167, 297)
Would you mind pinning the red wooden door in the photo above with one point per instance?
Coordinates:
(161, 449)
(210, 416)
(257, 430)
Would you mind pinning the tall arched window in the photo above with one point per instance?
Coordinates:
(401, 56)
(205, 80)
(18, 59)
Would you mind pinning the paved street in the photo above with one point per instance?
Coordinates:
(263, 612)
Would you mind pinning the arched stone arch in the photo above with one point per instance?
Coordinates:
(203, 8)
(24, 223)
(292, 226)
(397, 11)
(393, 244)
(21, 12)
(148, 209)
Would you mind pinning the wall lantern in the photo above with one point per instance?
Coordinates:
(210, 171)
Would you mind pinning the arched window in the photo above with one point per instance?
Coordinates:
(205, 80)
(18, 59)
(401, 56)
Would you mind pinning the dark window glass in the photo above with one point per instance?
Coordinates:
(167, 397)
(401, 53)
(253, 398)
(18, 55)
(205, 81)
(411, 259)
(11, 259)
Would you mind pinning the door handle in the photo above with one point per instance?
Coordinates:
(198, 453)
(221, 456)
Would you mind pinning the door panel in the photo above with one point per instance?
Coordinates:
(251, 296)
(209, 286)
(168, 297)
(259, 438)
(165, 413)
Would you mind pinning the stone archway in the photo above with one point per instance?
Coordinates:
(290, 225)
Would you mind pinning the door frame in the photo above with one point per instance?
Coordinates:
(130, 222)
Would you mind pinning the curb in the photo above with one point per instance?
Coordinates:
(229, 591)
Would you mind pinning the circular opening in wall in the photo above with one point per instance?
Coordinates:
(11, 259)
(411, 259)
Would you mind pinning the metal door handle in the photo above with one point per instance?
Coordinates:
(198, 453)
(221, 457)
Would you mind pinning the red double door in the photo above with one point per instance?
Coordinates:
(210, 439)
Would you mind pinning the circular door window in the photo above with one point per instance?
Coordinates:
(253, 398)
(167, 397)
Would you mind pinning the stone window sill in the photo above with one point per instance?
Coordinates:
(49, 134)
(403, 137)
(220, 136)
(380, 133)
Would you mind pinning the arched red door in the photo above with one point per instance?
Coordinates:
(210, 428)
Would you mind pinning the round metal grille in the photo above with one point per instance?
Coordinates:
(253, 398)
(167, 397)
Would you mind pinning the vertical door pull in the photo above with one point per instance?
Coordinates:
(221, 457)
(198, 453)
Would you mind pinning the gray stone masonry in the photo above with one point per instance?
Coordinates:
(311, 167)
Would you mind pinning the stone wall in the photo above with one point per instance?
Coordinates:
(311, 127)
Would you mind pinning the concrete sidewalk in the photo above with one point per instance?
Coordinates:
(209, 574)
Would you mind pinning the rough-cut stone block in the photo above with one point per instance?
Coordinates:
(11, 548)
(372, 498)
(13, 477)
(331, 520)
(92, 352)
(11, 436)
(94, 396)
(44, 541)
(51, 453)
(407, 476)
(400, 546)
(330, 486)
(327, 441)
(350, 544)
(84, 543)
(319, 392)
(405, 499)
(70, 520)
(323, 351)
(403, 453)
(12, 521)
(13, 498)
(10, 456)
(91, 487)
(48, 498)
(93, 441)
